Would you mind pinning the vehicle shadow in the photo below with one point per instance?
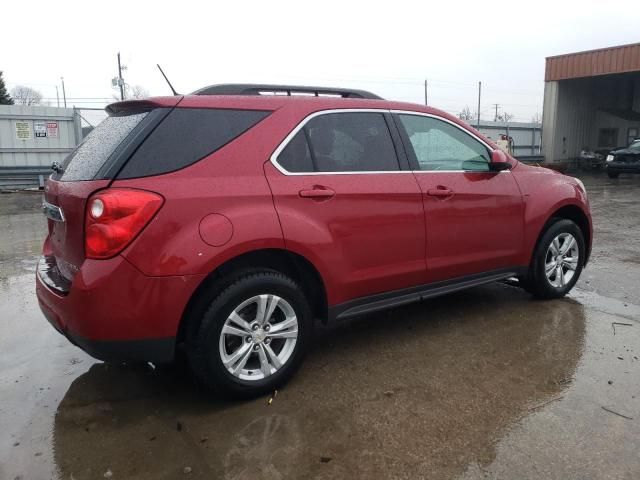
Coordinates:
(419, 391)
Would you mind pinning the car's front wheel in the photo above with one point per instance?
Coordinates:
(557, 261)
(252, 337)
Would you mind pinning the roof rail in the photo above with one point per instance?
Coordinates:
(259, 89)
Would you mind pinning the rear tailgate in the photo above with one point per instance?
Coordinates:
(66, 234)
(91, 167)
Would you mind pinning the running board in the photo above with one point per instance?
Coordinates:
(382, 301)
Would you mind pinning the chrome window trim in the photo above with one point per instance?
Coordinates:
(274, 156)
(287, 139)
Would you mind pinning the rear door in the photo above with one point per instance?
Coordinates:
(473, 216)
(346, 203)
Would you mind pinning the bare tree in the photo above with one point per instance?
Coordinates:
(466, 115)
(26, 95)
(137, 91)
(132, 92)
(537, 118)
(504, 117)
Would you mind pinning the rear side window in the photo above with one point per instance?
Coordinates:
(296, 157)
(186, 136)
(341, 142)
(89, 157)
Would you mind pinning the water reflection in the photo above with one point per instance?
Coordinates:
(21, 236)
(419, 391)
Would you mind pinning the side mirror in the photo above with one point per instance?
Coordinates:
(499, 161)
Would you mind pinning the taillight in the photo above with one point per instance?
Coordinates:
(115, 217)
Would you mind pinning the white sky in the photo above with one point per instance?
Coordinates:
(386, 47)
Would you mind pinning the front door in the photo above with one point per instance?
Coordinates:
(474, 217)
(345, 204)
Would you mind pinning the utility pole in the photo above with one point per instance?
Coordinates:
(479, 94)
(120, 79)
(495, 119)
(426, 93)
(64, 93)
(57, 95)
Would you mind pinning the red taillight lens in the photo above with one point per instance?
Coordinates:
(114, 217)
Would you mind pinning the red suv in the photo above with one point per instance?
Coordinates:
(225, 222)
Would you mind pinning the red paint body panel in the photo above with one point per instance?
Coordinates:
(378, 233)
(368, 238)
(477, 228)
(112, 300)
(67, 238)
(545, 191)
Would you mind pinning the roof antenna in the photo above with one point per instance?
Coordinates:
(165, 77)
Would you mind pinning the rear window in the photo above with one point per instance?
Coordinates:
(89, 157)
(186, 136)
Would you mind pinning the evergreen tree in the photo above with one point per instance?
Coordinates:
(5, 98)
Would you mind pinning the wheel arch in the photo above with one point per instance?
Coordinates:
(577, 215)
(289, 263)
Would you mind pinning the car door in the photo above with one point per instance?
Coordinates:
(346, 205)
(473, 216)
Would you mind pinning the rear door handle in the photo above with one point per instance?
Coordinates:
(317, 192)
(440, 192)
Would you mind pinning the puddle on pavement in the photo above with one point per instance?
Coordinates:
(427, 388)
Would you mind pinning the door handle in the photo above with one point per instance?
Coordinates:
(440, 192)
(317, 192)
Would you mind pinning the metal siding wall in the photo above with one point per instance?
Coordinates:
(549, 118)
(35, 151)
(575, 115)
(606, 120)
(605, 61)
(571, 107)
(526, 136)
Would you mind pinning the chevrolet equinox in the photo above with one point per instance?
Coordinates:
(225, 222)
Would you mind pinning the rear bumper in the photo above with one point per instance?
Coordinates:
(114, 312)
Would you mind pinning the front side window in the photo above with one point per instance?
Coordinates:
(438, 145)
(341, 142)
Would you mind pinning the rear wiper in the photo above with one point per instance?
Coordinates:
(57, 167)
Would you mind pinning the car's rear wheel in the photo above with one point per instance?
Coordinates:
(557, 261)
(613, 174)
(252, 337)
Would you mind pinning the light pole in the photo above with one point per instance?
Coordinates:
(120, 79)
(64, 93)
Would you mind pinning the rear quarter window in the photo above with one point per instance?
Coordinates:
(187, 135)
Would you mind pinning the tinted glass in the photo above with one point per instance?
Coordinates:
(186, 136)
(346, 142)
(88, 157)
(296, 156)
(438, 145)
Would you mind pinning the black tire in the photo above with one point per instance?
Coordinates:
(203, 345)
(537, 282)
(613, 174)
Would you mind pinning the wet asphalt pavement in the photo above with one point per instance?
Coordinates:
(485, 383)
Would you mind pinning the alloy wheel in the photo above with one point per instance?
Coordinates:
(561, 260)
(258, 337)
